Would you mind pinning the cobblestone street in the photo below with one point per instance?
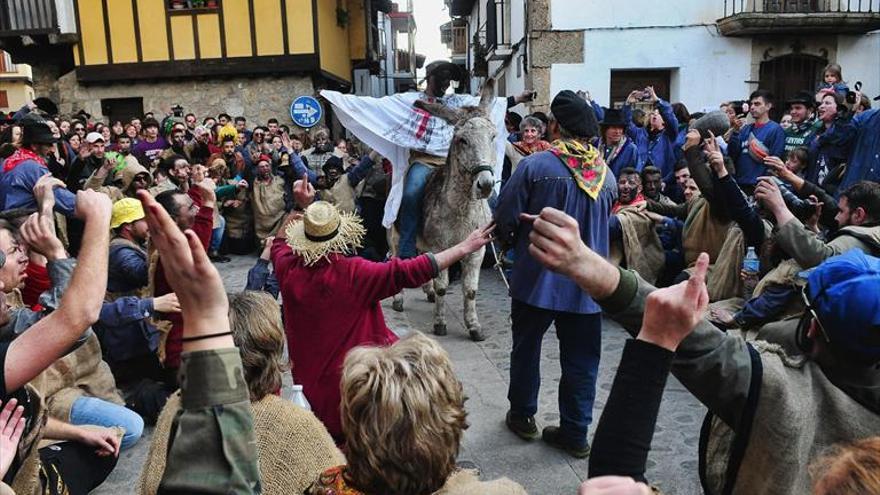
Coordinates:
(483, 368)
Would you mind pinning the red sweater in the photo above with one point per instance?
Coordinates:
(203, 227)
(332, 307)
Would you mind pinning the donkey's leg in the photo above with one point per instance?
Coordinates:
(440, 285)
(470, 282)
(428, 289)
(397, 302)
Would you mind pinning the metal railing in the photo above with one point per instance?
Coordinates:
(735, 7)
(21, 17)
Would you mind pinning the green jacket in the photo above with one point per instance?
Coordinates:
(213, 448)
(769, 415)
(809, 251)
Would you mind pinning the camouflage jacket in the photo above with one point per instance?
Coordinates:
(213, 448)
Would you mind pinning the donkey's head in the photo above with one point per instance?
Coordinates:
(472, 154)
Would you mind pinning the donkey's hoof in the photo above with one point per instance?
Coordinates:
(440, 329)
(431, 297)
(397, 306)
(477, 335)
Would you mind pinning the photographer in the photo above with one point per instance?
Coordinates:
(656, 142)
(750, 144)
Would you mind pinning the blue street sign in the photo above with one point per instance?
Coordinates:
(306, 111)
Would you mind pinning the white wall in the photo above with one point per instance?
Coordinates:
(580, 14)
(707, 67)
(859, 56)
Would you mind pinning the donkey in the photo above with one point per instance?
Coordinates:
(456, 203)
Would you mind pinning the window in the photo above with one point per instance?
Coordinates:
(623, 82)
(786, 75)
(6, 64)
(190, 5)
(122, 109)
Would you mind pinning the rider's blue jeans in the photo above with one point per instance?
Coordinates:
(409, 217)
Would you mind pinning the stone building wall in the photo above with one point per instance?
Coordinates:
(258, 99)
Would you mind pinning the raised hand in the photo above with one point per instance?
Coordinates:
(191, 274)
(716, 158)
(38, 232)
(767, 191)
(44, 193)
(303, 192)
(693, 139)
(672, 313)
(93, 205)
(556, 244)
(11, 428)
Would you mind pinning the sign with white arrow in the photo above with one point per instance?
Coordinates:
(306, 111)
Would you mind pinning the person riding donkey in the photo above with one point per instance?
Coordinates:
(414, 141)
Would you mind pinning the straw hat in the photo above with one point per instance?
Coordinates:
(323, 231)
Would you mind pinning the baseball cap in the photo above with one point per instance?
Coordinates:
(125, 211)
(844, 291)
(94, 137)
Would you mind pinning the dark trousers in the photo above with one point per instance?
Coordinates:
(580, 345)
(73, 466)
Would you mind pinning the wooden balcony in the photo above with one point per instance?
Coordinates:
(768, 17)
(36, 17)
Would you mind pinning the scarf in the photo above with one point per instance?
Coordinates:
(22, 155)
(527, 149)
(332, 481)
(612, 151)
(584, 163)
(638, 200)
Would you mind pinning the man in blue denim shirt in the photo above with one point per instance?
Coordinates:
(571, 177)
(129, 339)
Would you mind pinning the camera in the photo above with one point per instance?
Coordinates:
(741, 107)
(851, 96)
(177, 110)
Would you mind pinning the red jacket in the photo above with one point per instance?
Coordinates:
(203, 227)
(332, 307)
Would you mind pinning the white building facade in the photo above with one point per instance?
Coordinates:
(699, 52)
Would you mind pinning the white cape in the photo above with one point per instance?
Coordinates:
(393, 126)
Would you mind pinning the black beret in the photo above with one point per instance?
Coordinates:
(574, 114)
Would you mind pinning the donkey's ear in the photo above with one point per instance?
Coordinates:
(449, 114)
(487, 96)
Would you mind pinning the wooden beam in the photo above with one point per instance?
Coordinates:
(181, 69)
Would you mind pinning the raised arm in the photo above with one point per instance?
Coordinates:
(215, 448)
(714, 366)
(39, 346)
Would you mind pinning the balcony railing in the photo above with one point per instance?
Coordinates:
(28, 17)
(751, 17)
(459, 40)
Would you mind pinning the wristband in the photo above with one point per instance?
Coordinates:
(203, 337)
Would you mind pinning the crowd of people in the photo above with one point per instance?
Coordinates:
(739, 252)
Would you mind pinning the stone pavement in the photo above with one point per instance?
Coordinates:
(484, 370)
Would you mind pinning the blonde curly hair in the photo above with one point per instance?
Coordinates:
(403, 416)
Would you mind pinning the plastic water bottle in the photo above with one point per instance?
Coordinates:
(295, 394)
(751, 271)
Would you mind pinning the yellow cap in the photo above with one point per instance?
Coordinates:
(126, 210)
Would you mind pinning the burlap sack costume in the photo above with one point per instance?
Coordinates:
(268, 206)
(294, 447)
(640, 247)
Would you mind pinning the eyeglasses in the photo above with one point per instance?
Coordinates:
(811, 312)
